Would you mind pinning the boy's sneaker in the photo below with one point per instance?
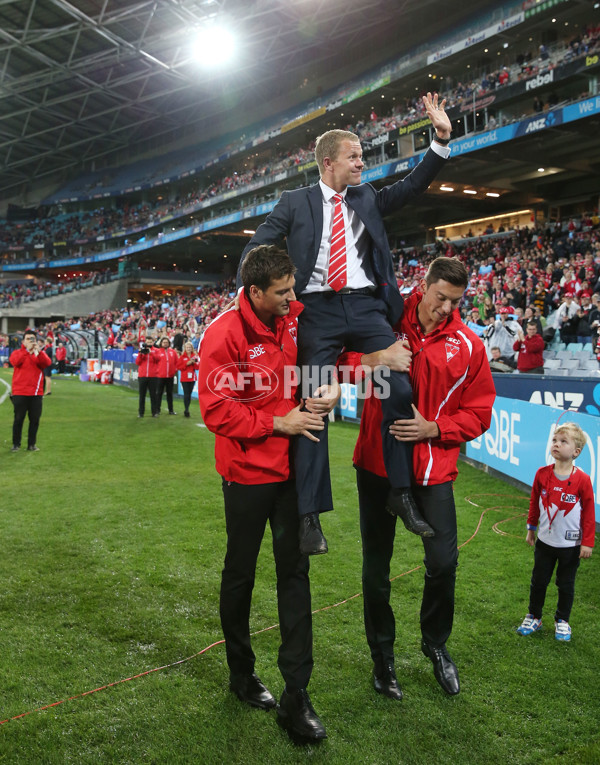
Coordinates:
(562, 630)
(530, 624)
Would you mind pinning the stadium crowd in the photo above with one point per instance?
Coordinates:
(84, 228)
(550, 274)
(15, 293)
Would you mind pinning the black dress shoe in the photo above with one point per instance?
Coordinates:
(386, 683)
(312, 541)
(444, 668)
(249, 689)
(401, 502)
(296, 714)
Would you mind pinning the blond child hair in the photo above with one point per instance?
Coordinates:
(575, 432)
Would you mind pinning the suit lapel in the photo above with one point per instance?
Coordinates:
(360, 204)
(315, 202)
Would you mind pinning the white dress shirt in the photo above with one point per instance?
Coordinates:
(358, 269)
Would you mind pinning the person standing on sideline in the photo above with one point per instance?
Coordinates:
(335, 235)
(147, 362)
(167, 368)
(187, 365)
(46, 347)
(562, 511)
(61, 357)
(453, 398)
(28, 364)
(248, 400)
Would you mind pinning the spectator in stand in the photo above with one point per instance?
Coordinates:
(28, 364)
(583, 330)
(61, 357)
(530, 349)
(499, 363)
(502, 333)
(475, 318)
(167, 368)
(529, 315)
(540, 300)
(594, 319)
(188, 365)
(147, 362)
(566, 320)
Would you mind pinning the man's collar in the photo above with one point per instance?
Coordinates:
(329, 193)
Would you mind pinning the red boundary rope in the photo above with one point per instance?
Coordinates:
(273, 626)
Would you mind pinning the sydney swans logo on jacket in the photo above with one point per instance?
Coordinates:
(452, 347)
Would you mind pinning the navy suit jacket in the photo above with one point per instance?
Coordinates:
(298, 217)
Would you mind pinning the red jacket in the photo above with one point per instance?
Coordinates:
(565, 509)
(188, 371)
(61, 353)
(531, 352)
(148, 363)
(241, 388)
(28, 377)
(452, 384)
(167, 362)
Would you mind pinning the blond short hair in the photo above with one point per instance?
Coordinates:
(328, 145)
(575, 432)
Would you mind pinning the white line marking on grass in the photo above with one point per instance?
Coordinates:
(4, 396)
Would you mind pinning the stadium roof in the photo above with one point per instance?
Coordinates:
(101, 81)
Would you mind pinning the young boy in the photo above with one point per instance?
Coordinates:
(562, 502)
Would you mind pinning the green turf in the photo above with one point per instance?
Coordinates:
(111, 552)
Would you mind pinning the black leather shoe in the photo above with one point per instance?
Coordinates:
(249, 689)
(312, 541)
(401, 502)
(296, 714)
(386, 683)
(444, 668)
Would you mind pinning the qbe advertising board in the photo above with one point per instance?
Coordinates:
(519, 439)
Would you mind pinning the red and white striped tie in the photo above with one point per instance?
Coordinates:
(336, 273)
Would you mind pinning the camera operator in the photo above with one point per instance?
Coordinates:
(147, 361)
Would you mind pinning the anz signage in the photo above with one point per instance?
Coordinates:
(520, 436)
(575, 395)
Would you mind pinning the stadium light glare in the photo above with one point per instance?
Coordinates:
(213, 46)
(446, 188)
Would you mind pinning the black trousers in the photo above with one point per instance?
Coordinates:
(377, 528)
(32, 407)
(247, 510)
(188, 387)
(545, 559)
(147, 384)
(329, 323)
(164, 384)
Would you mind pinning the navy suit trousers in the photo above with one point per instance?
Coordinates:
(329, 323)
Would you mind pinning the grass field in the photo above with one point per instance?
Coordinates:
(110, 558)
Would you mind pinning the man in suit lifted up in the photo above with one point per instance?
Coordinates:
(335, 235)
